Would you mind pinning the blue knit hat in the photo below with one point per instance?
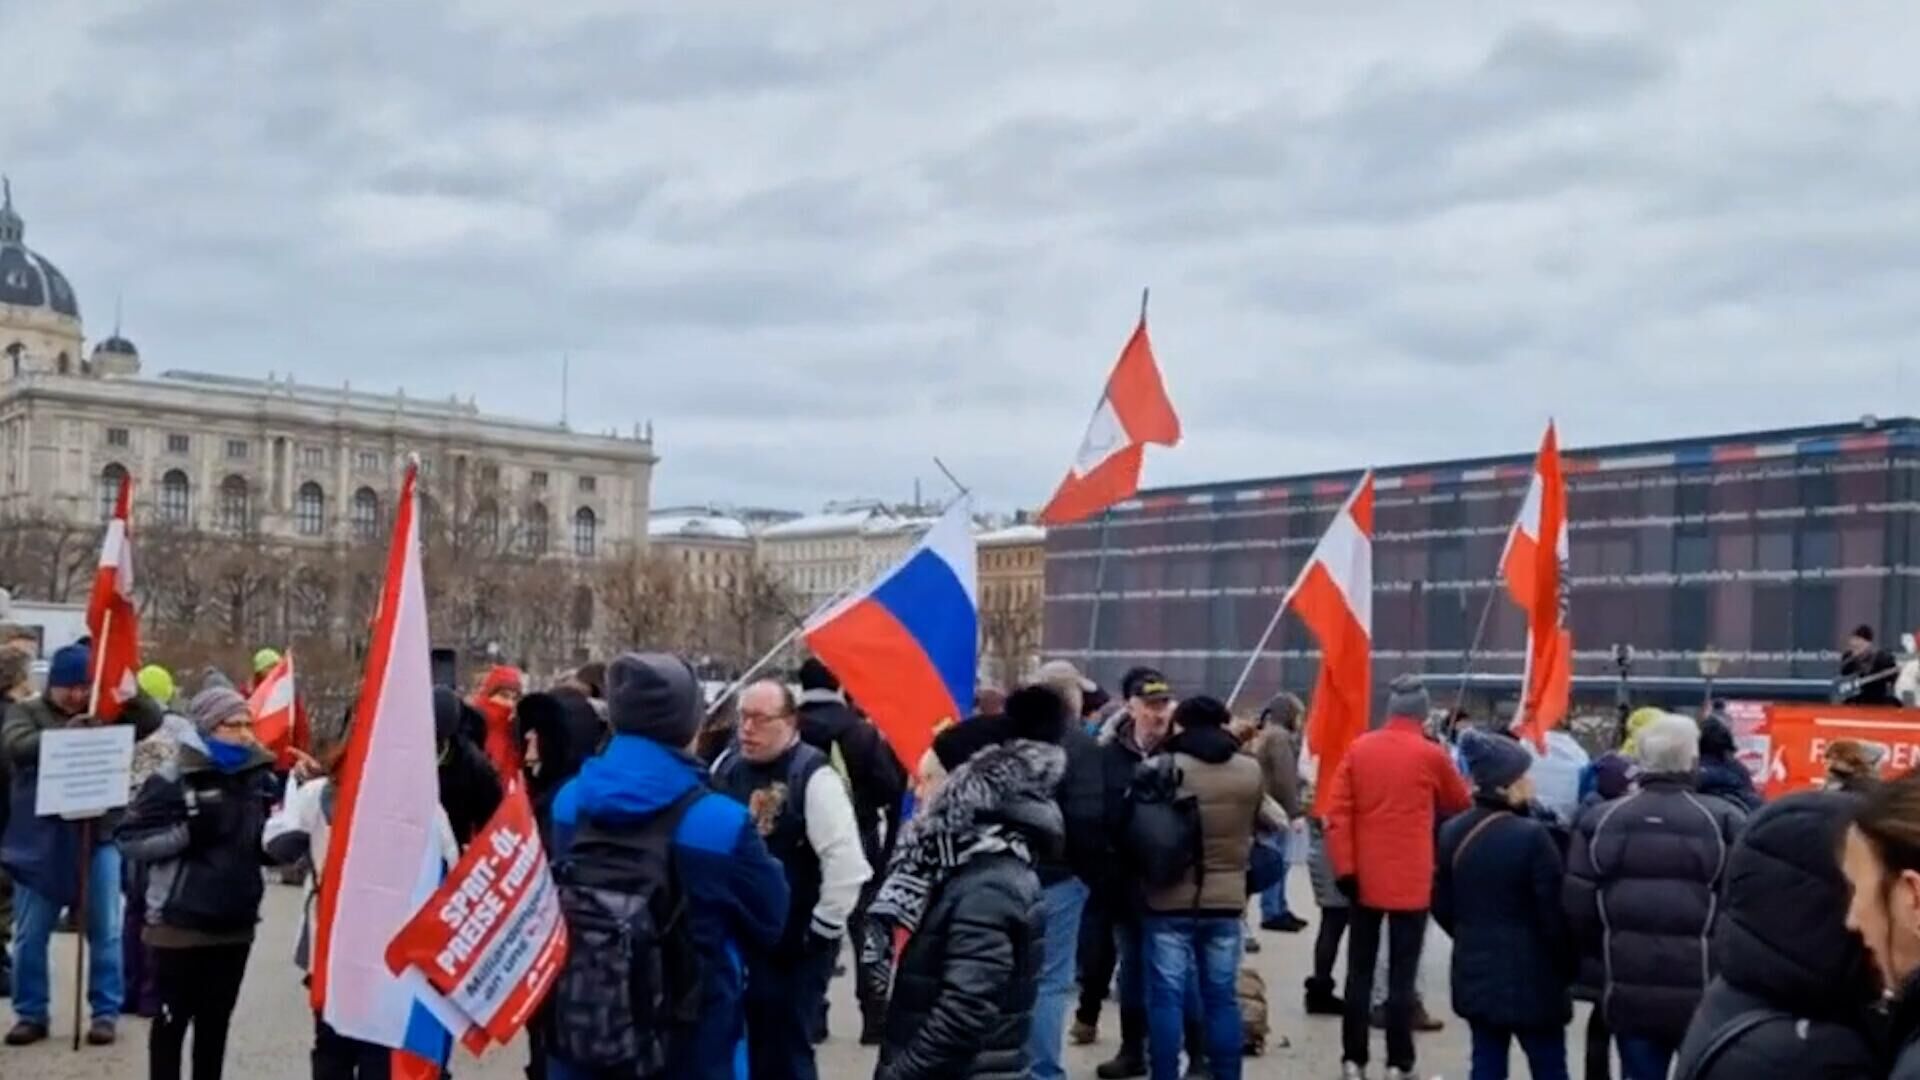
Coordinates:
(1493, 761)
(69, 667)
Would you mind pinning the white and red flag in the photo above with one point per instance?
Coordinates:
(1535, 568)
(1334, 597)
(111, 618)
(279, 716)
(1133, 412)
(385, 858)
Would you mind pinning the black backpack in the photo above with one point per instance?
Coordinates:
(631, 982)
(1163, 834)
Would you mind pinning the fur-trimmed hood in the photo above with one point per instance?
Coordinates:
(1011, 784)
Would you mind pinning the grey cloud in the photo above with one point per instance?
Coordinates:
(818, 251)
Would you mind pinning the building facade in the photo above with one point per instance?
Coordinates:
(1011, 564)
(1759, 551)
(287, 461)
(819, 557)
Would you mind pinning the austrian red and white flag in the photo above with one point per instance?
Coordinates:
(279, 717)
(1334, 597)
(385, 858)
(1133, 412)
(1535, 568)
(111, 619)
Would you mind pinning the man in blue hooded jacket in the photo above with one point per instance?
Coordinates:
(735, 891)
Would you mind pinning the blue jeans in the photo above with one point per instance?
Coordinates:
(1179, 948)
(1273, 902)
(1643, 1059)
(1545, 1048)
(34, 918)
(1065, 902)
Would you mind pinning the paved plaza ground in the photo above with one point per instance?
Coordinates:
(273, 1028)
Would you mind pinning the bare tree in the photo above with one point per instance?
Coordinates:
(47, 556)
(1012, 618)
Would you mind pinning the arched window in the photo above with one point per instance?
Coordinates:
(584, 527)
(64, 365)
(310, 509)
(536, 529)
(366, 514)
(235, 500)
(176, 498)
(486, 524)
(110, 479)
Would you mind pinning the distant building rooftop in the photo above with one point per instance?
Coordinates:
(696, 527)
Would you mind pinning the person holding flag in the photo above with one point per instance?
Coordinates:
(46, 856)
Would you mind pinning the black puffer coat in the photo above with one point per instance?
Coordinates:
(1498, 897)
(1783, 948)
(1643, 894)
(963, 995)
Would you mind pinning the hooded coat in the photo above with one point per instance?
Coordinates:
(1786, 958)
(570, 732)
(964, 992)
(470, 789)
(1643, 895)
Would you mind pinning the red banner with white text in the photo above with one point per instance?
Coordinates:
(491, 939)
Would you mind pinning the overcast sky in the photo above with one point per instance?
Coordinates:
(818, 244)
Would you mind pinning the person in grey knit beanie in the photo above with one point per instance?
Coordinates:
(215, 706)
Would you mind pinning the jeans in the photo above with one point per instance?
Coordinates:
(782, 1001)
(1181, 948)
(34, 918)
(1545, 1048)
(1065, 902)
(198, 989)
(1273, 902)
(1643, 1059)
(1405, 930)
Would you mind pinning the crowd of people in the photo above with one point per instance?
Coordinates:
(1055, 851)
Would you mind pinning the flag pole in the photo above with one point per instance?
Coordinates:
(86, 841)
(1473, 649)
(1099, 583)
(1259, 647)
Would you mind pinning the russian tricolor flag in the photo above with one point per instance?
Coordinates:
(906, 648)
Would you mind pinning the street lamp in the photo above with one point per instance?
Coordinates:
(1710, 663)
(1623, 662)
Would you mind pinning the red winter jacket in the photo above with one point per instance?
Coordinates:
(1391, 790)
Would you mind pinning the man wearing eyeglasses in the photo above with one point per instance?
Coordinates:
(803, 810)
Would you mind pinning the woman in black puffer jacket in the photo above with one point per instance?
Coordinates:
(962, 884)
(1796, 989)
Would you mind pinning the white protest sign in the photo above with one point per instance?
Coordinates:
(84, 772)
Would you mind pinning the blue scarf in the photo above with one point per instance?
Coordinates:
(228, 757)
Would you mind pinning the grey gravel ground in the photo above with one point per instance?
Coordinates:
(273, 1027)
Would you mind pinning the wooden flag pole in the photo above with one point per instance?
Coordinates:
(81, 922)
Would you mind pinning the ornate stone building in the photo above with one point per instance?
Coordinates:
(288, 461)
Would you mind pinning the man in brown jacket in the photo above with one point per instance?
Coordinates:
(1192, 926)
(1277, 749)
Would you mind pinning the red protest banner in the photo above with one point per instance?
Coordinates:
(1797, 737)
(491, 939)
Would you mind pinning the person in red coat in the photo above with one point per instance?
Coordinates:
(496, 698)
(1389, 795)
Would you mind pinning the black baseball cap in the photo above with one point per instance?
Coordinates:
(1147, 684)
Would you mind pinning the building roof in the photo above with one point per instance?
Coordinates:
(1013, 535)
(27, 279)
(1866, 434)
(696, 527)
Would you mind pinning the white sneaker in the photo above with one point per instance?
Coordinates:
(1350, 1071)
(1397, 1074)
